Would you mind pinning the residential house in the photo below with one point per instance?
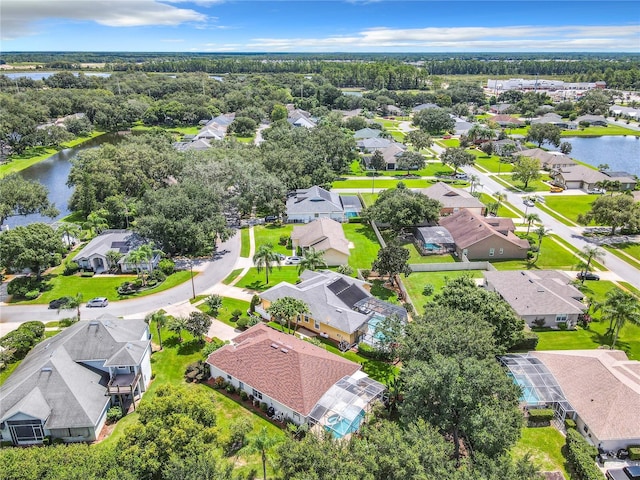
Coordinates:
(368, 145)
(599, 389)
(298, 381)
(196, 145)
(94, 255)
(67, 383)
(434, 240)
(585, 178)
(626, 112)
(540, 298)
(392, 110)
(300, 118)
(324, 235)
(549, 160)
(392, 154)
(554, 119)
(500, 108)
(593, 120)
(308, 204)
(211, 133)
(453, 199)
(480, 238)
(367, 133)
(342, 309)
(223, 120)
(506, 120)
(461, 126)
(423, 106)
(500, 146)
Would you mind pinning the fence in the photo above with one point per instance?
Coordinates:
(458, 266)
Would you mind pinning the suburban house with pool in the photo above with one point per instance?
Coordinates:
(542, 298)
(484, 238)
(323, 235)
(342, 309)
(94, 256)
(308, 204)
(298, 381)
(64, 387)
(598, 389)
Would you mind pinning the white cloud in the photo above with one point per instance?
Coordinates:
(20, 17)
(507, 38)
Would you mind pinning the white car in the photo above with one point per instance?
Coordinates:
(98, 302)
(292, 261)
(529, 203)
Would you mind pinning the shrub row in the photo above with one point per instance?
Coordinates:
(373, 353)
(581, 457)
(23, 339)
(25, 287)
(529, 342)
(634, 452)
(539, 415)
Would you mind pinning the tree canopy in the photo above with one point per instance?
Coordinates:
(614, 211)
(434, 121)
(35, 246)
(23, 197)
(457, 157)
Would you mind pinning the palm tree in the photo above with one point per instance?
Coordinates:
(113, 257)
(530, 218)
(177, 325)
(541, 232)
(260, 443)
(67, 230)
(137, 257)
(72, 303)
(96, 223)
(312, 259)
(590, 253)
(474, 180)
(161, 320)
(619, 307)
(287, 308)
(265, 257)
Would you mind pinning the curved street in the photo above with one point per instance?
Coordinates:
(207, 274)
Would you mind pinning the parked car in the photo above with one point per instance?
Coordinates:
(529, 203)
(587, 276)
(626, 473)
(461, 176)
(58, 302)
(555, 189)
(292, 261)
(270, 218)
(597, 191)
(98, 302)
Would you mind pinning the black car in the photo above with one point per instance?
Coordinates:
(58, 302)
(587, 276)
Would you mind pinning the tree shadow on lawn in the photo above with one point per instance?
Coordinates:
(258, 285)
(380, 291)
(190, 347)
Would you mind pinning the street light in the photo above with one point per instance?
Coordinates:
(193, 288)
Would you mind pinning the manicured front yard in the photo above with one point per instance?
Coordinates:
(431, 169)
(630, 249)
(570, 206)
(228, 306)
(503, 211)
(491, 163)
(415, 283)
(377, 183)
(271, 233)
(544, 445)
(255, 280)
(245, 243)
(600, 131)
(552, 256)
(369, 198)
(100, 286)
(517, 186)
(365, 243)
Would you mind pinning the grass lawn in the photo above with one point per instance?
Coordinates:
(431, 169)
(232, 276)
(600, 131)
(75, 217)
(243, 139)
(5, 373)
(168, 367)
(369, 198)
(570, 206)
(491, 163)
(228, 306)
(503, 211)
(534, 185)
(365, 244)
(552, 256)
(555, 215)
(271, 234)
(415, 283)
(255, 280)
(416, 257)
(99, 286)
(245, 243)
(544, 445)
(449, 142)
(367, 184)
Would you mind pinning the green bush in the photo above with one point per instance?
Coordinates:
(634, 452)
(23, 339)
(20, 286)
(242, 322)
(540, 415)
(236, 314)
(528, 342)
(283, 240)
(355, 220)
(231, 389)
(428, 290)
(167, 266)
(70, 267)
(214, 302)
(67, 322)
(114, 414)
(212, 346)
(32, 294)
(35, 327)
(373, 353)
(158, 276)
(87, 274)
(581, 457)
(569, 424)
(198, 372)
(562, 325)
(244, 395)
(264, 407)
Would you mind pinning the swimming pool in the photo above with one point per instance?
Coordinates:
(432, 246)
(528, 392)
(344, 426)
(350, 213)
(373, 323)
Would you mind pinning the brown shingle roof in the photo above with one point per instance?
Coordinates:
(296, 376)
(602, 385)
(467, 229)
(451, 197)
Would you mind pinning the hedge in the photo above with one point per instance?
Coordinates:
(541, 415)
(634, 452)
(568, 423)
(23, 339)
(529, 342)
(581, 457)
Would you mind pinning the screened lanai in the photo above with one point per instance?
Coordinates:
(341, 409)
(539, 386)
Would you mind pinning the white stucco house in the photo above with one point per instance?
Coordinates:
(308, 204)
(325, 235)
(94, 255)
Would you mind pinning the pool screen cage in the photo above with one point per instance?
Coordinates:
(539, 387)
(377, 310)
(341, 409)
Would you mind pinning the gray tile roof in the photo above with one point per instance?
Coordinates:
(374, 143)
(122, 241)
(325, 305)
(54, 384)
(314, 200)
(543, 292)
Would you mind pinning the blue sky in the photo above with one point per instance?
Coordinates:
(326, 26)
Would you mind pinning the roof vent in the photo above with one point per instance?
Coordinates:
(274, 345)
(284, 350)
(540, 289)
(93, 323)
(129, 346)
(46, 369)
(338, 310)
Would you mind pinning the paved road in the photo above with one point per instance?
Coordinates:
(210, 273)
(573, 235)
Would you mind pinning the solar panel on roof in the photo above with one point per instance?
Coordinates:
(337, 286)
(352, 295)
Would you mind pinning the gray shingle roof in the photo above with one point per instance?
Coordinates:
(451, 197)
(122, 241)
(54, 384)
(321, 234)
(314, 200)
(367, 133)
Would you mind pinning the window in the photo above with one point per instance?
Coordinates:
(256, 394)
(26, 431)
(316, 324)
(561, 317)
(492, 252)
(306, 319)
(228, 377)
(501, 251)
